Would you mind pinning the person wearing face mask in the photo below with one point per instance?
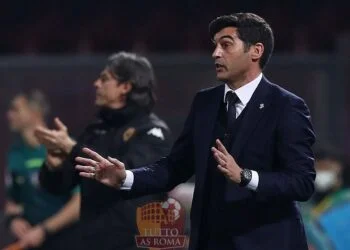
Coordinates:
(323, 213)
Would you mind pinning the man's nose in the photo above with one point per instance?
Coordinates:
(217, 53)
(97, 83)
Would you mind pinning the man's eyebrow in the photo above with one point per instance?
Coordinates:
(223, 37)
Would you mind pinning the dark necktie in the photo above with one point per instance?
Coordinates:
(231, 100)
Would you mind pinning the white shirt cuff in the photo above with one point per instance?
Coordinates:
(254, 182)
(129, 180)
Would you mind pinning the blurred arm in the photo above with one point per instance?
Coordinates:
(58, 175)
(66, 216)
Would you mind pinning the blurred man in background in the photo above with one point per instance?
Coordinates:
(35, 217)
(126, 128)
(324, 215)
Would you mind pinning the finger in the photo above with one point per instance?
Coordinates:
(39, 128)
(219, 153)
(86, 169)
(21, 232)
(220, 161)
(41, 131)
(219, 157)
(116, 162)
(221, 147)
(223, 170)
(94, 155)
(48, 139)
(60, 125)
(27, 226)
(86, 161)
(87, 175)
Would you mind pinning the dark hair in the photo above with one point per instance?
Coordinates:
(130, 67)
(251, 29)
(36, 100)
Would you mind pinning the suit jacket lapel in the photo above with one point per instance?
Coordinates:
(207, 117)
(255, 109)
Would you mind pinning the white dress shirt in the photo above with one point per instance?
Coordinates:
(244, 94)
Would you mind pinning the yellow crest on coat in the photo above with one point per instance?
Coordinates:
(128, 134)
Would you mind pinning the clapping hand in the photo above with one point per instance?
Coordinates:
(55, 139)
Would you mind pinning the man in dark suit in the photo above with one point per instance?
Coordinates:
(248, 142)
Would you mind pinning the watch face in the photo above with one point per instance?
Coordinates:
(247, 174)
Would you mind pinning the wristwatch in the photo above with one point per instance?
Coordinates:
(246, 177)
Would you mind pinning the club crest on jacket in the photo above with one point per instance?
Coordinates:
(128, 134)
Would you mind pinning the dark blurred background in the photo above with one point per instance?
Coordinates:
(61, 46)
(90, 26)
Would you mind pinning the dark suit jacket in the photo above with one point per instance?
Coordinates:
(275, 139)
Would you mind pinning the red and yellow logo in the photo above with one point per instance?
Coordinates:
(161, 225)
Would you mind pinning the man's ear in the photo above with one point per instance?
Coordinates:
(256, 51)
(126, 87)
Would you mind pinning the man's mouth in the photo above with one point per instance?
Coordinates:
(219, 67)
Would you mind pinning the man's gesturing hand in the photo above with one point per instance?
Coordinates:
(55, 139)
(226, 164)
(110, 172)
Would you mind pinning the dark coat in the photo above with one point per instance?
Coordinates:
(107, 221)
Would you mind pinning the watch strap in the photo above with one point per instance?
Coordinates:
(246, 177)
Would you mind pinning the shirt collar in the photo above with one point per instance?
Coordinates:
(245, 92)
